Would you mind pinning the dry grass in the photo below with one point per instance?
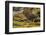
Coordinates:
(25, 24)
(21, 16)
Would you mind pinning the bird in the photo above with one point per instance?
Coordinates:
(28, 13)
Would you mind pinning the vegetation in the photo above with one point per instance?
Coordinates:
(30, 17)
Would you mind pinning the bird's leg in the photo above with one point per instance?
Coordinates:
(33, 20)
